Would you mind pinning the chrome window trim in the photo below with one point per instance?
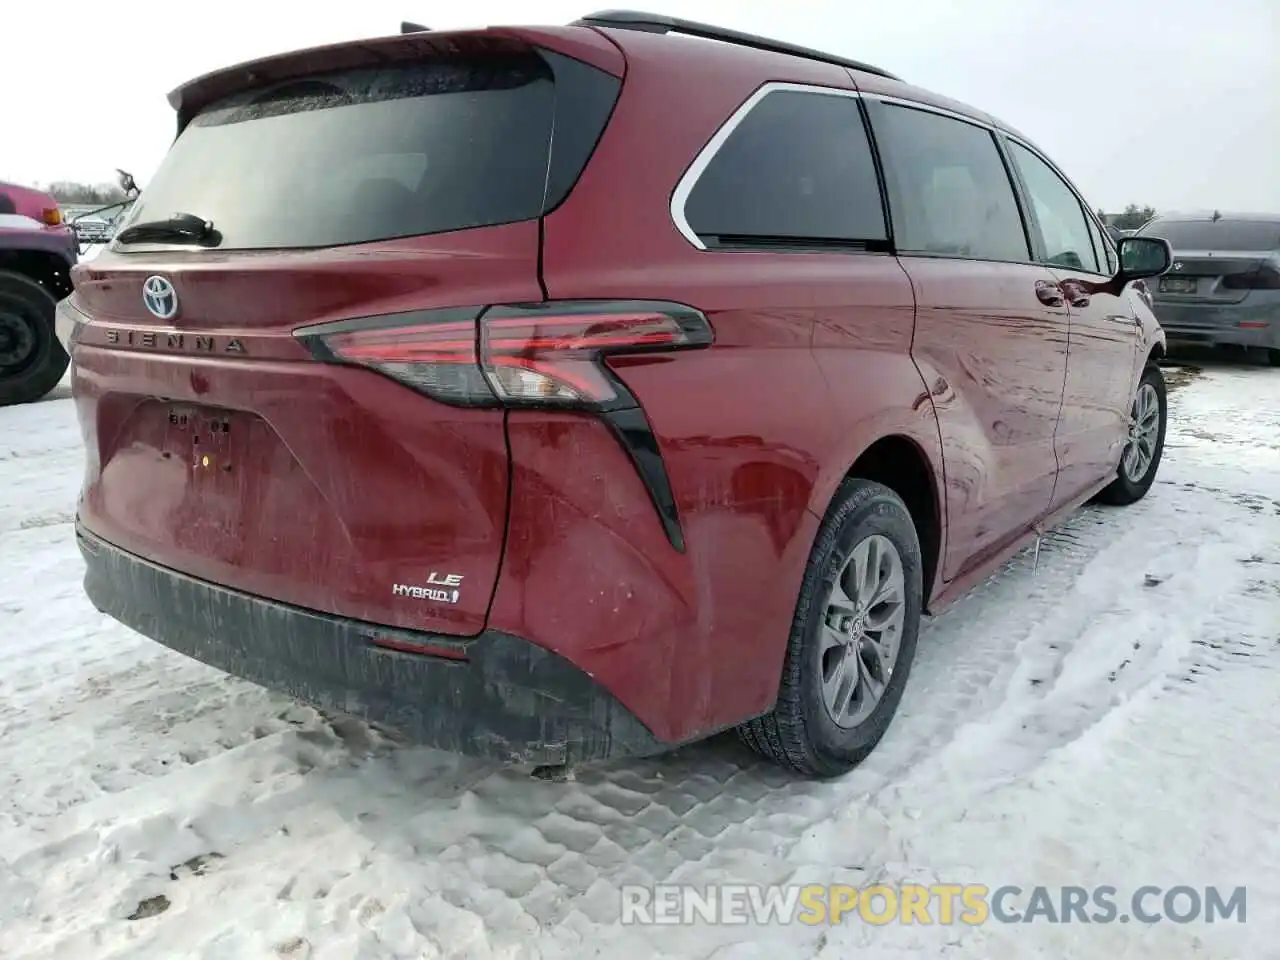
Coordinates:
(695, 170)
(680, 196)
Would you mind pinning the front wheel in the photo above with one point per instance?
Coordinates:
(1145, 443)
(852, 640)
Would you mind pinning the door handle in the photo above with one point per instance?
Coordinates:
(1050, 294)
(1079, 300)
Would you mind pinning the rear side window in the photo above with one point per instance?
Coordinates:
(1235, 235)
(1059, 214)
(798, 167)
(392, 151)
(951, 193)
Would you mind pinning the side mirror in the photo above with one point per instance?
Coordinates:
(1143, 257)
(127, 183)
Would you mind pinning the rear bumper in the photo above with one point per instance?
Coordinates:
(1214, 323)
(508, 699)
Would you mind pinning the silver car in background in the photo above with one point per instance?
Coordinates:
(93, 229)
(1224, 285)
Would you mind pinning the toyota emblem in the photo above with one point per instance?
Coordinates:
(160, 298)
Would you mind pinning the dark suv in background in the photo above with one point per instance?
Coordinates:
(489, 385)
(1224, 285)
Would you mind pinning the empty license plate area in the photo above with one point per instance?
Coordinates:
(209, 440)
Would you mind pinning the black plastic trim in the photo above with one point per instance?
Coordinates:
(585, 100)
(631, 429)
(660, 23)
(509, 699)
(744, 241)
(882, 176)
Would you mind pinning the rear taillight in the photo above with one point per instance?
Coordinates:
(1263, 277)
(545, 355)
(541, 355)
(434, 352)
(553, 354)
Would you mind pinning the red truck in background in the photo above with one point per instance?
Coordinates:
(37, 251)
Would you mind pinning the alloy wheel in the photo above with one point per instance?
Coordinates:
(1144, 429)
(862, 630)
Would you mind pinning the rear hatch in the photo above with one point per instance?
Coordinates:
(1216, 262)
(390, 178)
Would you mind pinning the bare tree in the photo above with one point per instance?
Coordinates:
(1133, 217)
(70, 191)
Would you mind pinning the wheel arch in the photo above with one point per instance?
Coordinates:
(49, 269)
(902, 464)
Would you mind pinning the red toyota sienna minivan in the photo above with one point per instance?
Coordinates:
(552, 394)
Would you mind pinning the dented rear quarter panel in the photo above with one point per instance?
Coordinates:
(810, 366)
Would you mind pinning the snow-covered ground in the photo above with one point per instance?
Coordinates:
(1108, 716)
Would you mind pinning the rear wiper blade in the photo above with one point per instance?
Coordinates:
(179, 228)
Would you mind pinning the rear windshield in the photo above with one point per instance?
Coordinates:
(371, 154)
(1238, 235)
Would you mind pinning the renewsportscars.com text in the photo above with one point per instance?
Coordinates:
(940, 903)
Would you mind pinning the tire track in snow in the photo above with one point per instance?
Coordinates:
(1113, 636)
(1137, 587)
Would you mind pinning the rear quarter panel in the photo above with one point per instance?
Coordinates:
(810, 366)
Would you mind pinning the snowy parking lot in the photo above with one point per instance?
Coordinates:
(1104, 715)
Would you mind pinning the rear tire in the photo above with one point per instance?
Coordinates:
(844, 675)
(1139, 462)
(1273, 357)
(32, 360)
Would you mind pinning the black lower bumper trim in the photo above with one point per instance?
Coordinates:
(509, 700)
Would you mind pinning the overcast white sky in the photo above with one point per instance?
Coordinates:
(1175, 103)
